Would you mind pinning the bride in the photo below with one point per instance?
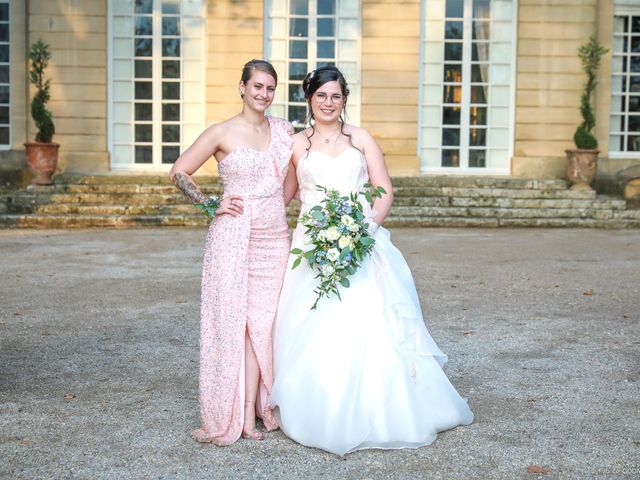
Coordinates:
(361, 372)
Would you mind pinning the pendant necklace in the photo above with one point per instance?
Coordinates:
(327, 139)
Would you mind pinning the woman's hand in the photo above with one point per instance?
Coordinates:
(232, 205)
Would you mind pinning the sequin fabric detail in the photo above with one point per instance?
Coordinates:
(244, 262)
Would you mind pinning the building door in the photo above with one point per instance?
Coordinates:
(467, 86)
(156, 81)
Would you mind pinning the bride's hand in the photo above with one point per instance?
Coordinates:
(232, 205)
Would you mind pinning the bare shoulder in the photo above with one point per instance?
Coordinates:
(360, 137)
(300, 144)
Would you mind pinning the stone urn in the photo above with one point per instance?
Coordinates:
(581, 168)
(42, 160)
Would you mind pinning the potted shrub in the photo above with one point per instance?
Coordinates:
(41, 155)
(581, 168)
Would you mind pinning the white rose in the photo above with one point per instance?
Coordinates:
(354, 227)
(347, 220)
(333, 254)
(344, 241)
(321, 236)
(332, 234)
(327, 270)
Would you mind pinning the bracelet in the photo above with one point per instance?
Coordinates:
(210, 206)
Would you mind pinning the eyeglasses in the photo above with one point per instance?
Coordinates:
(322, 97)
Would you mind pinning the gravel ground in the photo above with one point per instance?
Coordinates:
(99, 352)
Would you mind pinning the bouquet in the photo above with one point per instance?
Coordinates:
(340, 238)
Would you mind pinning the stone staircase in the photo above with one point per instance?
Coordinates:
(76, 201)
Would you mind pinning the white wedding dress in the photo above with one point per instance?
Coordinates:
(362, 372)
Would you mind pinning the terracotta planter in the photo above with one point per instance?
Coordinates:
(581, 168)
(42, 160)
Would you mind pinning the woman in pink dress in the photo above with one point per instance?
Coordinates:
(245, 258)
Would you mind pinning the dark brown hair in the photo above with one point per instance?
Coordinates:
(262, 65)
(312, 82)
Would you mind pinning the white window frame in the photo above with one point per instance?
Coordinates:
(621, 9)
(431, 86)
(348, 50)
(7, 146)
(121, 135)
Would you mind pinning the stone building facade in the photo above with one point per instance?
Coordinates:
(448, 87)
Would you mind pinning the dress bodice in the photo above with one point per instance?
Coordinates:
(249, 172)
(346, 172)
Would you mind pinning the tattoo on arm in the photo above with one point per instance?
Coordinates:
(188, 187)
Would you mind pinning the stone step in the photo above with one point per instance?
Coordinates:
(123, 221)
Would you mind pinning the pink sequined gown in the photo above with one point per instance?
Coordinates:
(244, 263)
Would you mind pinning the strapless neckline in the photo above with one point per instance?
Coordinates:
(348, 149)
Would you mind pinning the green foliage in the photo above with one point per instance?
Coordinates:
(39, 57)
(584, 139)
(210, 206)
(590, 55)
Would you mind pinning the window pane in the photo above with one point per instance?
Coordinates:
(171, 133)
(453, 30)
(634, 104)
(170, 91)
(144, 6)
(171, 6)
(171, 69)
(295, 93)
(450, 158)
(4, 135)
(4, 73)
(299, 7)
(170, 154)
(325, 27)
(481, 31)
(634, 124)
(143, 90)
(480, 73)
(143, 47)
(480, 52)
(4, 94)
(298, 27)
(326, 7)
(297, 115)
(4, 115)
(326, 49)
(452, 94)
(635, 24)
(4, 32)
(170, 26)
(634, 62)
(453, 73)
(451, 136)
(144, 133)
(477, 158)
(453, 51)
(144, 154)
(481, 8)
(451, 115)
(478, 95)
(477, 137)
(635, 44)
(4, 53)
(297, 70)
(143, 111)
(634, 81)
(454, 8)
(143, 26)
(171, 112)
(478, 116)
(170, 47)
(143, 68)
(297, 49)
(633, 143)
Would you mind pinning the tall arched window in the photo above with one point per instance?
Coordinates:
(5, 86)
(157, 80)
(301, 35)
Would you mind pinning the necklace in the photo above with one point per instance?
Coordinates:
(327, 139)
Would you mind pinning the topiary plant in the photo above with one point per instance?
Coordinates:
(590, 54)
(39, 56)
